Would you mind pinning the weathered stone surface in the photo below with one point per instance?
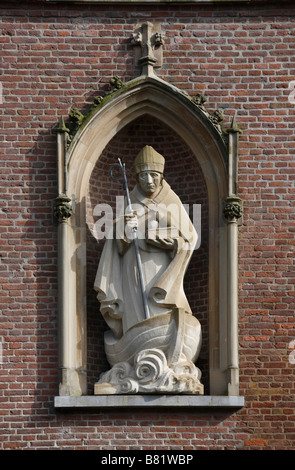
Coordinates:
(149, 401)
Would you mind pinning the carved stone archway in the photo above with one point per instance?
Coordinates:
(217, 156)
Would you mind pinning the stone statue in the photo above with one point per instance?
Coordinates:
(153, 339)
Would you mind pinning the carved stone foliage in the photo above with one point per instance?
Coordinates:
(76, 118)
(233, 208)
(199, 99)
(62, 208)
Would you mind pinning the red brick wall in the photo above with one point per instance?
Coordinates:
(56, 57)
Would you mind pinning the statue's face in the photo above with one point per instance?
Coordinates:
(149, 181)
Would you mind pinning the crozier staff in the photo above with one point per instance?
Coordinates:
(132, 222)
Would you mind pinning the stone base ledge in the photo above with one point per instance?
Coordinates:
(149, 401)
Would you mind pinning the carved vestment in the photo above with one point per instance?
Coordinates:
(117, 282)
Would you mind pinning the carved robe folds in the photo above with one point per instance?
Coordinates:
(155, 354)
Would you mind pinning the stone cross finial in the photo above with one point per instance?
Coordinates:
(150, 40)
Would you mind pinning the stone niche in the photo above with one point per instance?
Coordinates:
(185, 177)
(202, 169)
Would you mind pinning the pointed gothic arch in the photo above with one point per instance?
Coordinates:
(152, 96)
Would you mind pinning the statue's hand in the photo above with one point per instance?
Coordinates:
(131, 224)
(164, 243)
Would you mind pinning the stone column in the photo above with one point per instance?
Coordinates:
(72, 380)
(232, 213)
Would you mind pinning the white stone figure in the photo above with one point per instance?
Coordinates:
(152, 349)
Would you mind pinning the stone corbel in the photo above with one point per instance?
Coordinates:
(233, 212)
(233, 209)
(62, 208)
